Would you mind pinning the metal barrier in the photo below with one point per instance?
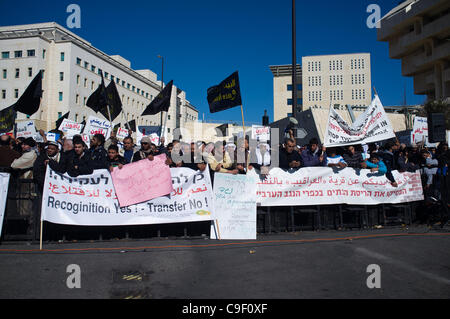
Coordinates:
(22, 219)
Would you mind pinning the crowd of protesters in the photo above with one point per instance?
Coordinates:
(72, 156)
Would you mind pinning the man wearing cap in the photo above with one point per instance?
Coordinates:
(51, 157)
(145, 151)
(26, 161)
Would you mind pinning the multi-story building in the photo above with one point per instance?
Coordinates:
(418, 33)
(72, 68)
(343, 79)
(282, 90)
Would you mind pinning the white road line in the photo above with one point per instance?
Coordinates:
(403, 265)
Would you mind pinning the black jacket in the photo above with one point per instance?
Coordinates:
(286, 158)
(353, 160)
(80, 165)
(99, 158)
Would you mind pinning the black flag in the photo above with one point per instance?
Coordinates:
(132, 126)
(225, 95)
(113, 101)
(7, 119)
(60, 120)
(30, 100)
(222, 129)
(98, 99)
(161, 103)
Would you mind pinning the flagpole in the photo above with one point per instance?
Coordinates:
(243, 127)
(40, 236)
(126, 118)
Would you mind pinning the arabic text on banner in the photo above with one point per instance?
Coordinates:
(91, 200)
(323, 186)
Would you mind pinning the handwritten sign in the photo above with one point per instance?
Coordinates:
(95, 125)
(4, 182)
(142, 181)
(122, 133)
(419, 133)
(235, 207)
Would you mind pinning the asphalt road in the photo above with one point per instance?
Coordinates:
(414, 263)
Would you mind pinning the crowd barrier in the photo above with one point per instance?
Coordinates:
(23, 210)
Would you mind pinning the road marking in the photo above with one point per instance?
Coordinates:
(402, 264)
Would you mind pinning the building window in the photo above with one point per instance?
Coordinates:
(3, 94)
(31, 53)
(43, 53)
(77, 99)
(59, 115)
(100, 72)
(16, 93)
(112, 77)
(62, 56)
(84, 101)
(61, 76)
(78, 79)
(106, 75)
(93, 68)
(123, 83)
(85, 83)
(17, 54)
(30, 72)
(86, 65)
(92, 85)
(5, 73)
(76, 117)
(60, 95)
(78, 61)
(5, 55)
(17, 73)
(299, 101)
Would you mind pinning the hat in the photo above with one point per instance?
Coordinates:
(146, 139)
(30, 142)
(52, 143)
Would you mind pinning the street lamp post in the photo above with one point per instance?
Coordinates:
(162, 84)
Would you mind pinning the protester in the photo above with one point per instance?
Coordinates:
(334, 160)
(146, 150)
(51, 156)
(97, 153)
(128, 148)
(115, 159)
(260, 158)
(290, 159)
(314, 155)
(220, 161)
(81, 161)
(429, 170)
(404, 164)
(7, 154)
(242, 155)
(353, 158)
(26, 161)
(376, 165)
(388, 158)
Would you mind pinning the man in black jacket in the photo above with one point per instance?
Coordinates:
(97, 153)
(389, 159)
(81, 161)
(115, 159)
(51, 157)
(289, 157)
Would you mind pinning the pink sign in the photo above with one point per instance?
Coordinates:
(142, 181)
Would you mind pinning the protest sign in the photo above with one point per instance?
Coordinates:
(261, 133)
(26, 129)
(371, 126)
(52, 137)
(95, 125)
(91, 200)
(324, 186)
(70, 128)
(142, 181)
(122, 133)
(419, 133)
(234, 207)
(4, 182)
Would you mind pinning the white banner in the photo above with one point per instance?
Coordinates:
(122, 133)
(91, 201)
(324, 186)
(372, 126)
(4, 182)
(235, 207)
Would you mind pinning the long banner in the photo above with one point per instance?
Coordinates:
(91, 200)
(4, 182)
(325, 186)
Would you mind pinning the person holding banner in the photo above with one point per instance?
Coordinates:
(289, 158)
(146, 150)
(51, 156)
(115, 159)
(314, 155)
(220, 161)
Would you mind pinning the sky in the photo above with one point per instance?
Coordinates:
(205, 41)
